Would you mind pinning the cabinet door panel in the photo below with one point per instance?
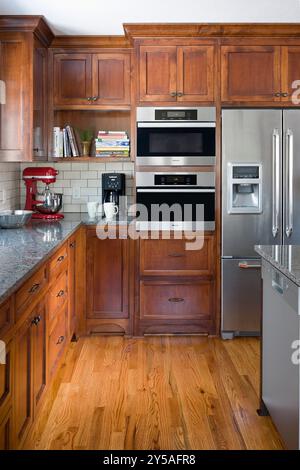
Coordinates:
(6, 377)
(195, 73)
(107, 278)
(157, 73)
(39, 354)
(22, 406)
(14, 101)
(111, 78)
(72, 79)
(250, 73)
(6, 431)
(39, 102)
(290, 71)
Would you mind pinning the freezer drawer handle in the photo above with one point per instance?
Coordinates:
(249, 266)
(289, 182)
(276, 182)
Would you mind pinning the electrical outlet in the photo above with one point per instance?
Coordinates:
(76, 192)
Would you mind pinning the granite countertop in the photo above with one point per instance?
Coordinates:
(23, 250)
(284, 258)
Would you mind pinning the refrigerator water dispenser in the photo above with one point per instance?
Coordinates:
(244, 188)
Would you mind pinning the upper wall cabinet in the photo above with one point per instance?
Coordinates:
(176, 73)
(23, 99)
(250, 73)
(259, 73)
(99, 80)
(290, 59)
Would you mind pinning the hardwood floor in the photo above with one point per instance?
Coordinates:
(157, 393)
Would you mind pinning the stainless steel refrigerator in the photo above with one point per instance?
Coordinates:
(260, 205)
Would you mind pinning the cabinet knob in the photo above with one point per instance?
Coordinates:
(61, 258)
(95, 98)
(285, 95)
(72, 245)
(180, 94)
(89, 98)
(36, 320)
(60, 340)
(60, 293)
(34, 288)
(173, 94)
(277, 95)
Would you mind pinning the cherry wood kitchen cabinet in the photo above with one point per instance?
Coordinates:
(176, 73)
(176, 291)
(107, 284)
(250, 73)
(290, 72)
(6, 427)
(91, 80)
(23, 100)
(30, 372)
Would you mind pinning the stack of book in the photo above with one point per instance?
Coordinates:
(66, 142)
(112, 144)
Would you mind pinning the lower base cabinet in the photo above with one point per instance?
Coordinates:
(6, 431)
(30, 369)
(108, 277)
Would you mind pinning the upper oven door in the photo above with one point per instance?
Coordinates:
(176, 143)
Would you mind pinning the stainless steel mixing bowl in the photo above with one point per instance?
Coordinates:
(51, 205)
(14, 219)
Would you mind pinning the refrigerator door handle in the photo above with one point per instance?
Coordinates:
(289, 182)
(276, 182)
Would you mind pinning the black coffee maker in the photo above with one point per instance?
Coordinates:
(113, 186)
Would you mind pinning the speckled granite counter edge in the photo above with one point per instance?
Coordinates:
(270, 259)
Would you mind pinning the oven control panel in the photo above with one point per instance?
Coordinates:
(176, 115)
(175, 180)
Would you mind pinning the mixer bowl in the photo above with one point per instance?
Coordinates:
(51, 205)
(14, 219)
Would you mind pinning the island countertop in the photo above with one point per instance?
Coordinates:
(23, 250)
(285, 258)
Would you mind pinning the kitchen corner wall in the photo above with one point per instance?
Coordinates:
(10, 174)
(85, 178)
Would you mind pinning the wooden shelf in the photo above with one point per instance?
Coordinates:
(91, 159)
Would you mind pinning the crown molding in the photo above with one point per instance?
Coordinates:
(35, 24)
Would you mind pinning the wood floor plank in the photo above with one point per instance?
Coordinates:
(157, 393)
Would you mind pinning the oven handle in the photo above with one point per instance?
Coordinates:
(176, 124)
(162, 189)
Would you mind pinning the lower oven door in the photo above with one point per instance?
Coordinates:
(176, 208)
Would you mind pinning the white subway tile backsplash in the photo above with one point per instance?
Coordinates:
(86, 176)
(89, 175)
(10, 174)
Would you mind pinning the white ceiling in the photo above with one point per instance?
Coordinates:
(106, 16)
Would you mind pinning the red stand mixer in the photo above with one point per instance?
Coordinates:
(51, 202)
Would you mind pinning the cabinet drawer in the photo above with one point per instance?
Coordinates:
(30, 290)
(170, 257)
(162, 300)
(6, 318)
(58, 262)
(58, 295)
(57, 340)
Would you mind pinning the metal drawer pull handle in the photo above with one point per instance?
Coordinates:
(60, 339)
(34, 288)
(60, 293)
(176, 255)
(249, 266)
(176, 300)
(36, 320)
(61, 258)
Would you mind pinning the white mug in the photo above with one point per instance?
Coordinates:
(92, 208)
(110, 210)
